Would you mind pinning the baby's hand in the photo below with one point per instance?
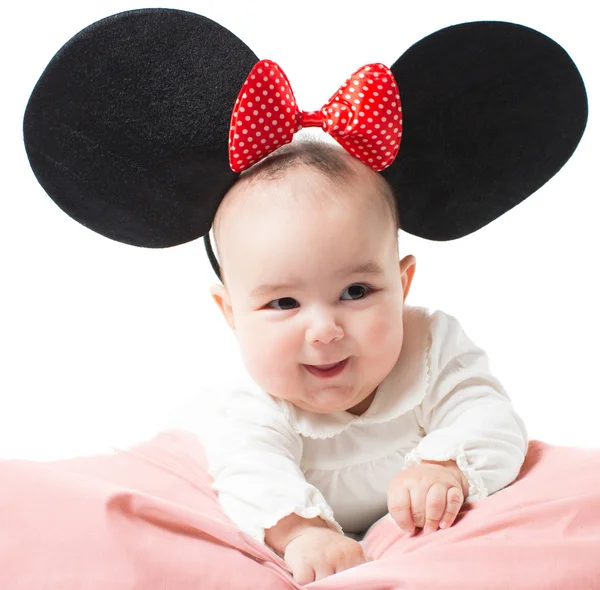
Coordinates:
(318, 552)
(427, 495)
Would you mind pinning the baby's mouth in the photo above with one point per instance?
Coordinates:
(327, 371)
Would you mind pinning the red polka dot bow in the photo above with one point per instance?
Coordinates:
(364, 116)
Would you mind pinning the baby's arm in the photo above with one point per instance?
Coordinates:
(466, 414)
(254, 459)
(474, 442)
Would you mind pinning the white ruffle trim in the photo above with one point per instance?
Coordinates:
(322, 510)
(477, 489)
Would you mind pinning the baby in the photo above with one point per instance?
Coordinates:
(363, 405)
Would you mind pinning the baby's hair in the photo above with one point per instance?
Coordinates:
(329, 159)
(333, 162)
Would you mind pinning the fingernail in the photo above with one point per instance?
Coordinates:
(429, 529)
(443, 525)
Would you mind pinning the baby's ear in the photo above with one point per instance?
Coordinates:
(221, 296)
(407, 271)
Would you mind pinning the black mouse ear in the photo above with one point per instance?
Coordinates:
(127, 128)
(491, 111)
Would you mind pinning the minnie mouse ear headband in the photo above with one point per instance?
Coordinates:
(130, 128)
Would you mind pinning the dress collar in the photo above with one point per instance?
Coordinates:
(402, 390)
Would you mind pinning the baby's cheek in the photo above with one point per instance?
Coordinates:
(252, 344)
(266, 350)
(383, 329)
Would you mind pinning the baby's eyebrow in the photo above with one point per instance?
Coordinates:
(364, 268)
(371, 268)
(264, 289)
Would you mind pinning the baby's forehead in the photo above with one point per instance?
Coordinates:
(303, 185)
(299, 193)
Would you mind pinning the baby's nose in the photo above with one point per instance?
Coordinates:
(324, 328)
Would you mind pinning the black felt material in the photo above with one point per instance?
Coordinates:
(491, 111)
(127, 128)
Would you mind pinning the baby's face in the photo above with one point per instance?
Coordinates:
(314, 281)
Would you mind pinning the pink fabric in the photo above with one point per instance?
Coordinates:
(147, 519)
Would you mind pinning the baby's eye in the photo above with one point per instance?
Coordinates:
(357, 291)
(283, 304)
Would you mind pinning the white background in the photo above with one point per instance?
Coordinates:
(104, 344)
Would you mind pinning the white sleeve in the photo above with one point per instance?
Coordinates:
(466, 414)
(254, 456)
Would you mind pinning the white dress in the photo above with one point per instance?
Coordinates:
(440, 402)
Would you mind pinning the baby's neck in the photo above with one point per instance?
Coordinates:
(363, 406)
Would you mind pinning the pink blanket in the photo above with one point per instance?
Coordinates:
(146, 519)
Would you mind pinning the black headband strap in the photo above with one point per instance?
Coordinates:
(211, 256)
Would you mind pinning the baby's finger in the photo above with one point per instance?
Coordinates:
(323, 570)
(454, 502)
(418, 494)
(435, 506)
(353, 555)
(303, 573)
(400, 509)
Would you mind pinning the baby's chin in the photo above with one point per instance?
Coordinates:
(316, 405)
(322, 410)
(323, 403)
(322, 398)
